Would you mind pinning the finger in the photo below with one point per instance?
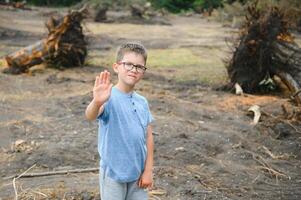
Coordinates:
(144, 185)
(101, 77)
(105, 77)
(96, 81)
(108, 78)
(141, 183)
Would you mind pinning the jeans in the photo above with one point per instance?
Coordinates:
(113, 190)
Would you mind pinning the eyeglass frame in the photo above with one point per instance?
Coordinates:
(132, 66)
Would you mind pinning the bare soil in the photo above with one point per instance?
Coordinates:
(206, 146)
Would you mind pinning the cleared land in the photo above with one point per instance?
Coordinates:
(206, 147)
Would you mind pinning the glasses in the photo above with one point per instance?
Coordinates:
(129, 66)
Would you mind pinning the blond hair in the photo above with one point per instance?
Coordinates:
(131, 47)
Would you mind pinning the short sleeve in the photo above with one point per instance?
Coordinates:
(104, 116)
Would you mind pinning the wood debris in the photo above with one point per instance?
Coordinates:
(65, 46)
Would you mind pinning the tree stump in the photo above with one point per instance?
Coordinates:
(101, 14)
(65, 46)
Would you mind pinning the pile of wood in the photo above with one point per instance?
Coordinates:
(65, 46)
(266, 50)
(15, 5)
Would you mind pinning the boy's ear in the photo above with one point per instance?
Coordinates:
(115, 67)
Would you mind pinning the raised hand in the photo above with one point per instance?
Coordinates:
(102, 88)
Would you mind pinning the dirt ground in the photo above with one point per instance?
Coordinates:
(205, 144)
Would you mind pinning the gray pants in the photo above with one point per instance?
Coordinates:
(113, 190)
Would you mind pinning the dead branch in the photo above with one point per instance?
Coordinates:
(282, 120)
(266, 167)
(50, 173)
(17, 177)
(157, 192)
(272, 155)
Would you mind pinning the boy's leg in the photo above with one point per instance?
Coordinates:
(136, 193)
(109, 188)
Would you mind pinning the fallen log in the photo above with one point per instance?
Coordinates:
(65, 46)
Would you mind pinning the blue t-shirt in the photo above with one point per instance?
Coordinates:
(122, 135)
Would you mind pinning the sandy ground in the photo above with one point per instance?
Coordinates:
(206, 146)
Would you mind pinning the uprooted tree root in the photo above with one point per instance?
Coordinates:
(65, 46)
(266, 48)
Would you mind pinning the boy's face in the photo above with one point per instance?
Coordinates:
(130, 69)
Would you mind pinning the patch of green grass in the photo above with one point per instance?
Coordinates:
(171, 58)
(202, 65)
(2, 63)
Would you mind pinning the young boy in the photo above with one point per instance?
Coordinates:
(125, 140)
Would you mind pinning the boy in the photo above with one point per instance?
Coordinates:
(125, 140)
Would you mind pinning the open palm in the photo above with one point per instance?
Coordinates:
(102, 87)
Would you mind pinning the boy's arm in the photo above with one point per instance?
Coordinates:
(146, 179)
(101, 93)
(93, 110)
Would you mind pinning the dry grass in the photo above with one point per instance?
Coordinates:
(180, 64)
(130, 30)
(233, 102)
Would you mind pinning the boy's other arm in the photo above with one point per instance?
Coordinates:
(146, 179)
(101, 93)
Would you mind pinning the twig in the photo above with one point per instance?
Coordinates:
(154, 197)
(14, 181)
(16, 193)
(157, 192)
(284, 121)
(272, 155)
(40, 193)
(53, 173)
(273, 172)
(255, 179)
(268, 168)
